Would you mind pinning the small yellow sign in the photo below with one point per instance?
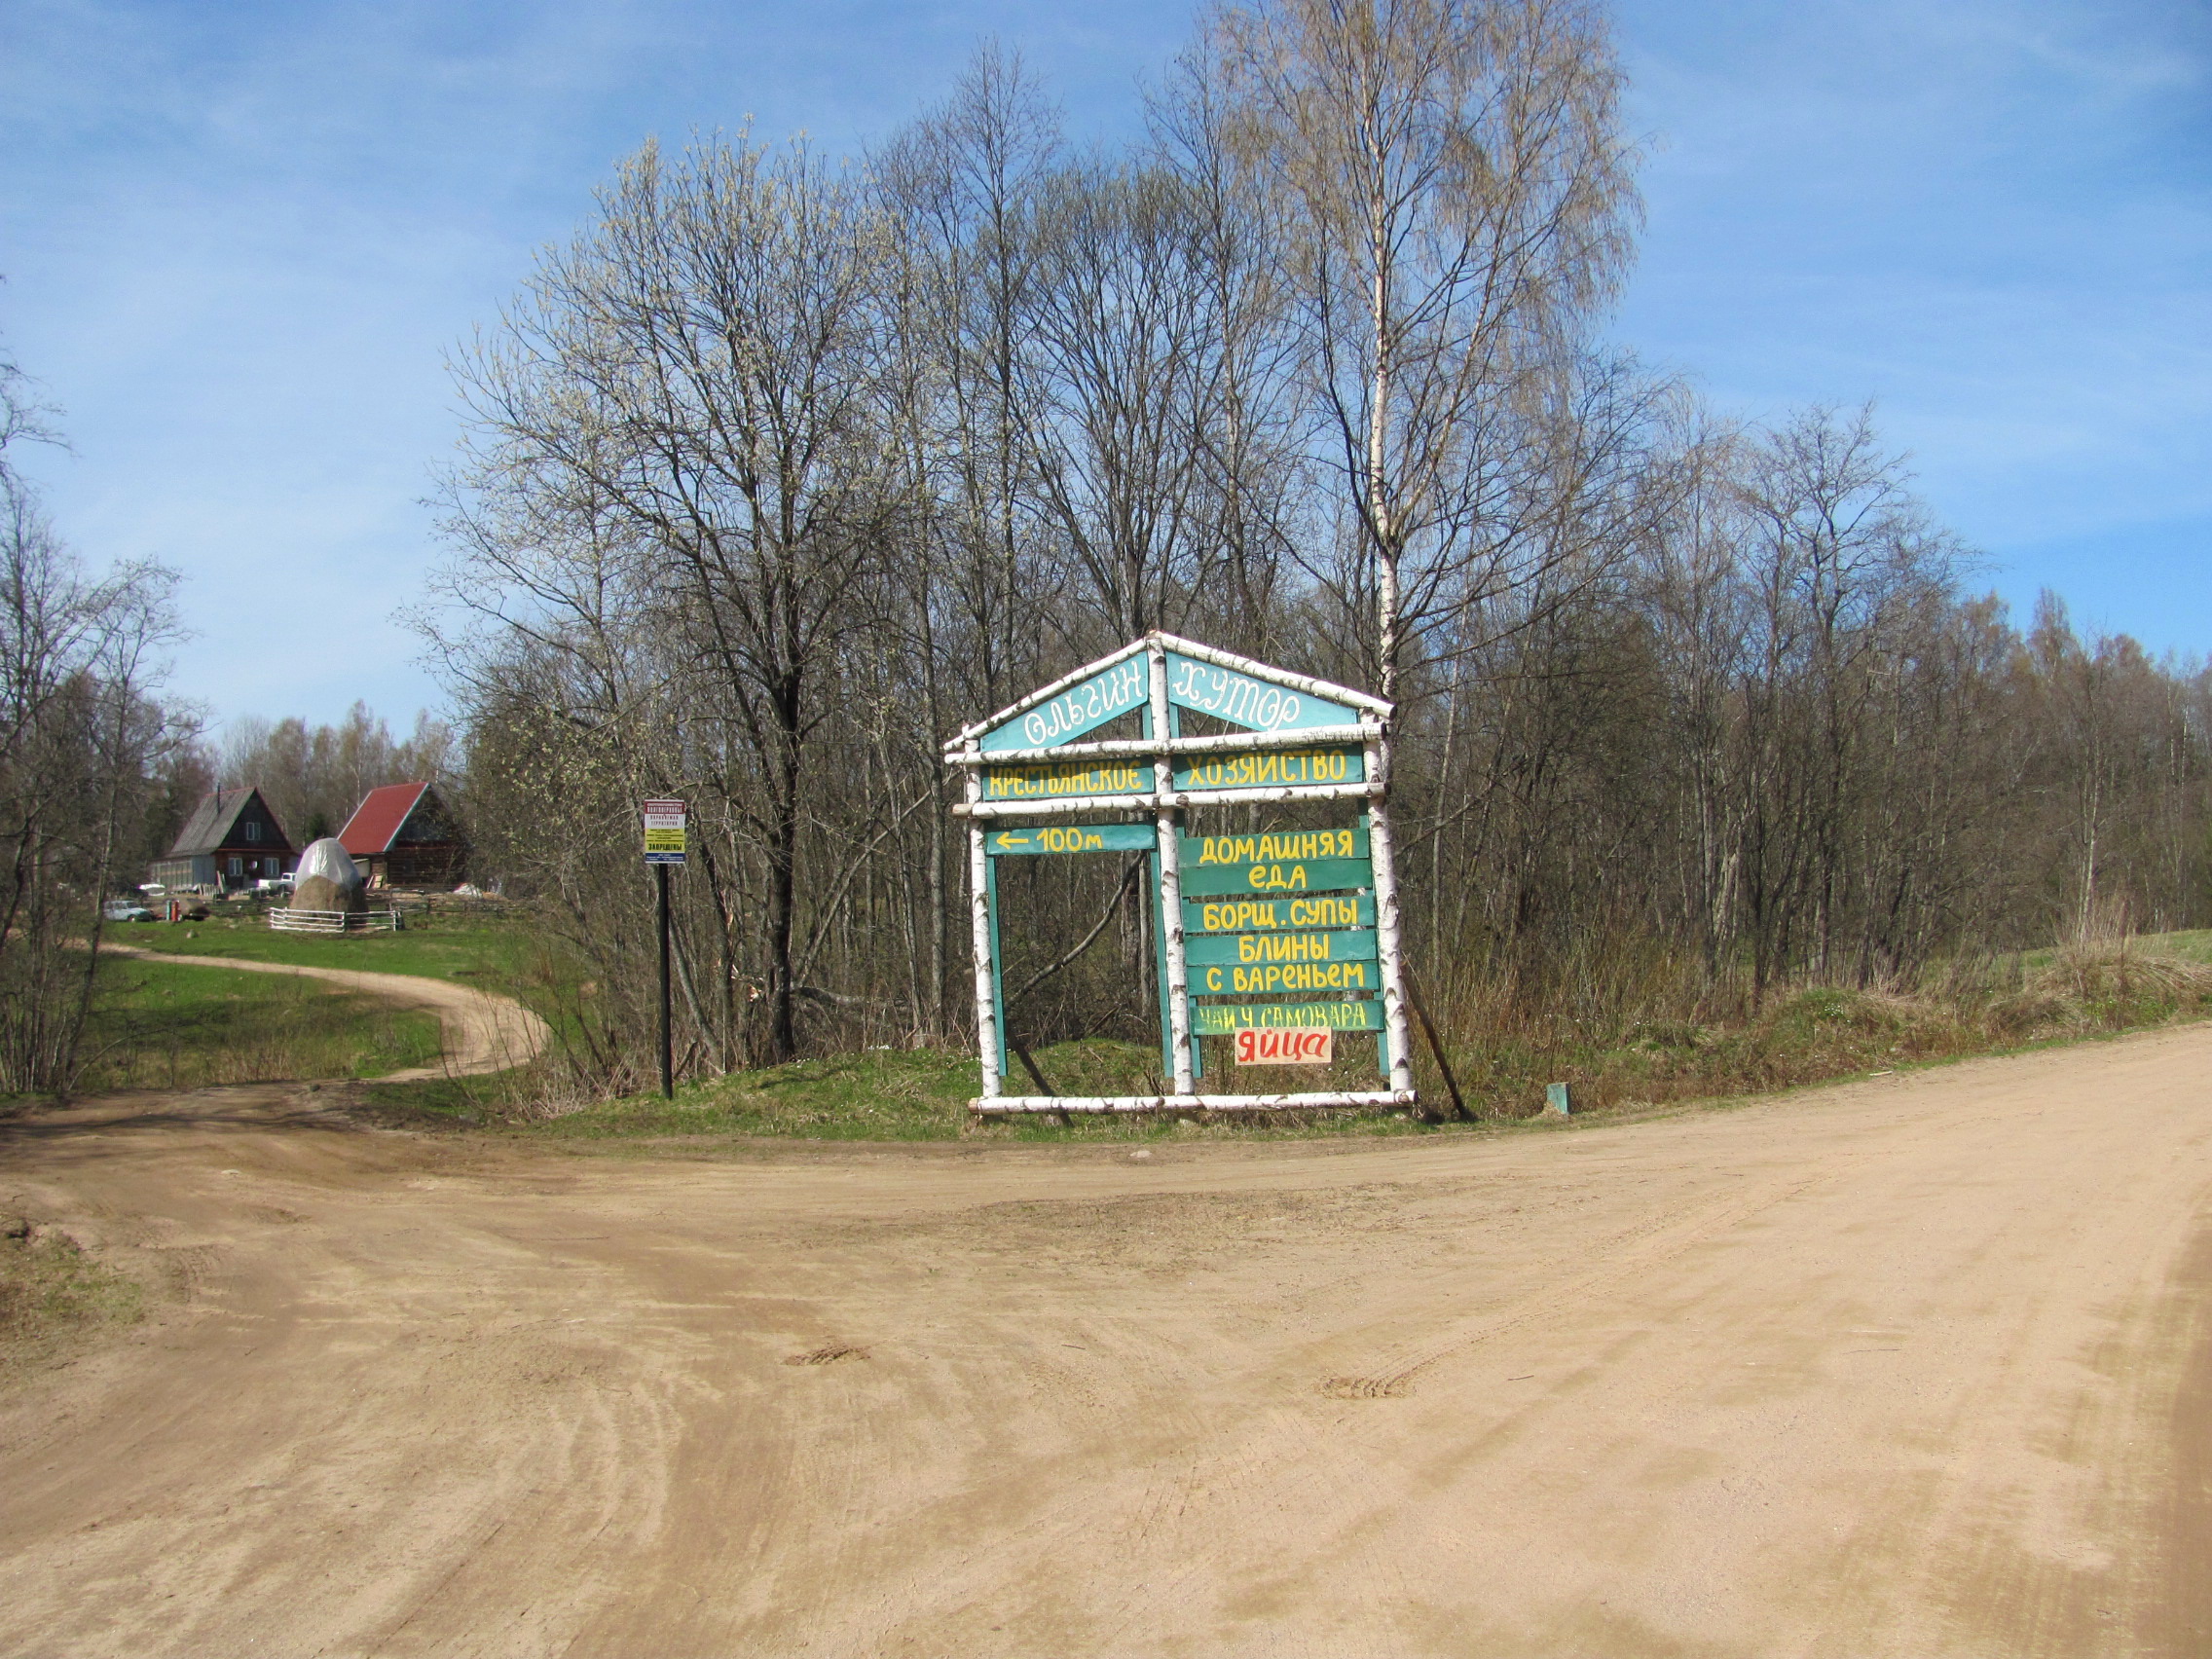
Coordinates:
(664, 832)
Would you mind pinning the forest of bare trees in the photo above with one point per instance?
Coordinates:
(780, 472)
(313, 777)
(84, 744)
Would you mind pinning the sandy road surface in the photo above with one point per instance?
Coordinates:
(480, 1031)
(1915, 1367)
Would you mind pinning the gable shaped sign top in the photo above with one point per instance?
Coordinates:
(1120, 684)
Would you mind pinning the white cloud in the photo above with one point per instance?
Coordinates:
(252, 229)
(1993, 218)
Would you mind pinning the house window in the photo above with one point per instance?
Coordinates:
(252, 830)
(238, 867)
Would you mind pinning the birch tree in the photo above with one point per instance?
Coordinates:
(1455, 198)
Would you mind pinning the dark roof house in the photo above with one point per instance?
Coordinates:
(232, 839)
(402, 835)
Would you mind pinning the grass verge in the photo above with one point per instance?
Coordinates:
(474, 950)
(168, 1025)
(895, 1095)
(1806, 1036)
(1818, 1034)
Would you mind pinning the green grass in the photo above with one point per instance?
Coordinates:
(1815, 1034)
(2192, 944)
(472, 949)
(890, 1094)
(1802, 1036)
(168, 1025)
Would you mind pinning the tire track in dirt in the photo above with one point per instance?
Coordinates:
(1897, 1369)
(1621, 1256)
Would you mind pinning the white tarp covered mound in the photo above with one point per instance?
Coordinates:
(328, 878)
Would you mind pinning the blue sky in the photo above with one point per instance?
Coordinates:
(239, 237)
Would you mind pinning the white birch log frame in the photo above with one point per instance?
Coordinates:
(980, 925)
(1305, 682)
(1197, 1103)
(1385, 868)
(1159, 642)
(1171, 883)
(1117, 748)
(1163, 804)
(1158, 802)
(969, 734)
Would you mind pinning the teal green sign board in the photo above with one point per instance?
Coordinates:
(1300, 875)
(1248, 916)
(1254, 703)
(1246, 952)
(1272, 846)
(1255, 949)
(1114, 691)
(1072, 839)
(1270, 768)
(1220, 1019)
(1063, 780)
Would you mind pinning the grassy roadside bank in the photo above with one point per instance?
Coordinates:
(1818, 1034)
(53, 1296)
(1800, 1037)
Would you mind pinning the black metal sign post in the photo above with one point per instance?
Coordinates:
(664, 846)
(667, 1040)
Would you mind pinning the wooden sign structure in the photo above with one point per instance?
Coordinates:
(1304, 920)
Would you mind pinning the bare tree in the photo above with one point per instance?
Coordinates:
(1456, 199)
(701, 371)
(80, 738)
(779, 475)
(313, 777)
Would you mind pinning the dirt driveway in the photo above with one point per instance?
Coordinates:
(1914, 1367)
(480, 1031)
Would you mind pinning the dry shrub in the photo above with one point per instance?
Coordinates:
(2091, 988)
(1644, 1034)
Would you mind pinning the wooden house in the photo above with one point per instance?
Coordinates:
(402, 835)
(232, 839)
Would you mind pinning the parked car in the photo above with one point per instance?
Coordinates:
(126, 910)
(273, 886)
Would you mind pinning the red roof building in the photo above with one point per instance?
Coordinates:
(402, 835)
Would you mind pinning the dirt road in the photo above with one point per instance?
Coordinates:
(481, 1032)
(1914, 1367)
